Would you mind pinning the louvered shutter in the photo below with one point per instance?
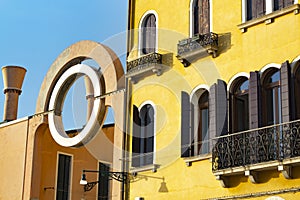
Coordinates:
(221, 104)
(205, 17)
(218, 112)
(254, 101)
(185, 125)
(285, 79)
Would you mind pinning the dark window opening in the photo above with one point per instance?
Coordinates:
(149, 34)
(143, 136)
(103, 185)
(240, 105)
(63, 177)
(271, 98)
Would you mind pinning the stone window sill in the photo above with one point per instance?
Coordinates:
(269, 18)
(153, 168)
(188, 161)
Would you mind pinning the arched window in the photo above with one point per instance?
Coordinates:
(201, 17)
(143, 136)
(148, 34)
(239, 96)
(271, 97)
(199, 134)
(297, 91)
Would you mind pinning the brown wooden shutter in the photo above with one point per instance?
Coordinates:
(222, 111)
(254, 101)
(201, 17)
(258, 8)
(212, 112)
(204, 17)
(285, 86)
(185, 125)
(218, 119)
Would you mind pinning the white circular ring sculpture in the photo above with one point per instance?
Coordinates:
(56, 102)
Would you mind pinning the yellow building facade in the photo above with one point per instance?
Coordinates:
(212, 99)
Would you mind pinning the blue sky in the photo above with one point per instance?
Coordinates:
(34, 32)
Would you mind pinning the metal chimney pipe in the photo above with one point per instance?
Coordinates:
(13, 77)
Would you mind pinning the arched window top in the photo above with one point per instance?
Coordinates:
(203, 98)
(240, 85)
(198, 92)
(147, 113)
(271, 75)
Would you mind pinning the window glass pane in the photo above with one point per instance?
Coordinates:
(275, 77)
(244, 86)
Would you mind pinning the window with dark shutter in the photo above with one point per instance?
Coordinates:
(63, 177)
(103, 185)
(255, 101)
(143, 136)
(255, 8)
(201, 17)
(285, 89)
(149, 34)
(280, 4)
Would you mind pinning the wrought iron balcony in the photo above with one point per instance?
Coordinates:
(197, 46)
(148, 64)
(279, 143)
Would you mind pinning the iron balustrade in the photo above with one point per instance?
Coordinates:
(271, 143)
(149, 59)
(196, 42)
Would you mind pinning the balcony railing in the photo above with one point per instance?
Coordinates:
(152, 63)
(189, 48)
(273, 143)
(149, 59)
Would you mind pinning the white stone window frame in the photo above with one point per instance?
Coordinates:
(269, 8)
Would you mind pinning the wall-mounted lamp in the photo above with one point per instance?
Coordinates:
(118, 176)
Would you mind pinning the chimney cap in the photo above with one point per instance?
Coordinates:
(13, 76)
